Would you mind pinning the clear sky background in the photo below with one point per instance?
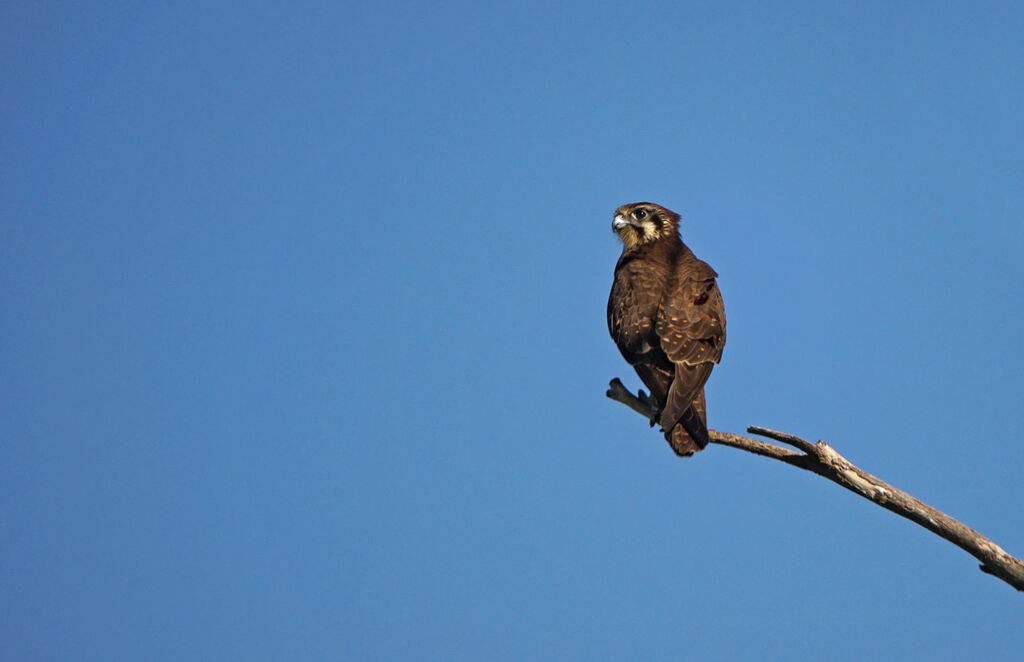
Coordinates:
(303, 346)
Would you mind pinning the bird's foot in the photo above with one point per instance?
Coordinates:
(655, 407)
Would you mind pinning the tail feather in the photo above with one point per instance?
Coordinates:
(690, 434)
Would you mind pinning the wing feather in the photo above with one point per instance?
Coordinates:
(691, 329)
(632, 305)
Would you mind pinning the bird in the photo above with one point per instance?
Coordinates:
(667, 317)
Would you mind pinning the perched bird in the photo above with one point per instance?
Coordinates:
(667, 317)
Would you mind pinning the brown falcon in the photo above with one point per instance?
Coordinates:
(666, 315)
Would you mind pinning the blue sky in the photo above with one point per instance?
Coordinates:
(303, 349)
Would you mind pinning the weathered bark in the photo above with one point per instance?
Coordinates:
(823, 460)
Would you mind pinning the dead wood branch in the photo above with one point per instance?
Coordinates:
(823, 460)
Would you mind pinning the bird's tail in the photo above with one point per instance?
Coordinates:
(690, 434)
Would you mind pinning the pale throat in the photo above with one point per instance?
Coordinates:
(631, 235)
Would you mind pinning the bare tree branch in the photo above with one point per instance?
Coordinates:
(823, 460)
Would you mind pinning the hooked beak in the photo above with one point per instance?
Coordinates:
(619, 222)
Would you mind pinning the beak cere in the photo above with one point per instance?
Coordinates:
(619, 222)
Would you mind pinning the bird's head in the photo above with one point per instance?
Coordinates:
(643, 222)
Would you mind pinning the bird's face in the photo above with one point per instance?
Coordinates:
(642, 222)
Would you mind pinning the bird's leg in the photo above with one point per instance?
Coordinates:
(654, 405)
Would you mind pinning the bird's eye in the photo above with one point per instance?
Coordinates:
(640, 214)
